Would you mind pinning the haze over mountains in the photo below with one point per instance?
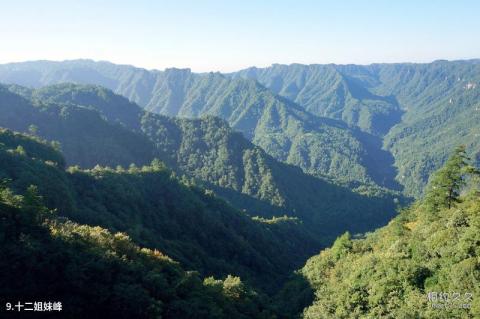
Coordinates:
(246, 174)
(381, 116)
(94, 126)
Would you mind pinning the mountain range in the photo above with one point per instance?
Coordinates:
(217, 188)
(381, 116)
(94, 126)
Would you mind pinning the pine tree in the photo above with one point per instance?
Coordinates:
(445, 185)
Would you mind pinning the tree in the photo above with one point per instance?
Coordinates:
(445, 185)
(233, 287)
(20, 150)
(33, 204)
(33, 129)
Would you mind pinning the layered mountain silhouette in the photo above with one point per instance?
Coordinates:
(381, 112)
(178, 194)
(94, 126)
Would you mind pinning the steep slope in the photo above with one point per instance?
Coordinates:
(86, 139)
(424, 264)
(282, 128)
(439, 103)
(92, 272)
(442, 110)
(334, 91)
(319, 146)
(208, 150)
(435, 99)
(157, 211)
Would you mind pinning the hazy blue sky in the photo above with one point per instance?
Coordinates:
(228, 35)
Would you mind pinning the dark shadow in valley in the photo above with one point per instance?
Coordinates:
(384, 120)
(358, 91)
(325, 209)
(380, 164)
(296, 295)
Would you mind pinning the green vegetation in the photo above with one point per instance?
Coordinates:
(224, 161)
(86, 139)
(204, 152)
(319, 146)
(94, 272)
(261, 169)
(446, 184)
(389, 273)
(410, 116)
(148, 203)
(442, 112)
(277, 125)
(339, 92)
(438, 101)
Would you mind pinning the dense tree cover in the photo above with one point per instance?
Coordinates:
(86, 138)
(390, 273)
(279, 126)
(250, 179)
(439, 103)
(430, 247)
(442, 111)
(446, 184)
(37, 148)
(98, 274)
(114, 108)
(421, 111)
(150, 205)
(339, 92)
(206, 151)
(284, 129)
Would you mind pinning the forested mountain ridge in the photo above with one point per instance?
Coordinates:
(410, 110)
(286, 131)
(442, 111)
(93, 272)
(422, 110)
(334, 91)
(277, 125)
(208, 150)
(205, 150)
(105, 144)
(431, 246)
(423, 264)
(157, 211)
(149, 204)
